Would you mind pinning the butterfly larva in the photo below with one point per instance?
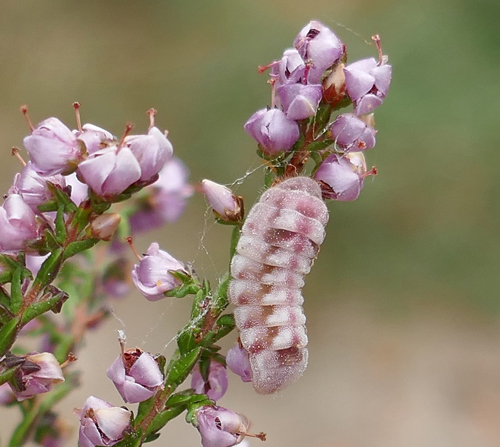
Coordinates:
(279, 242)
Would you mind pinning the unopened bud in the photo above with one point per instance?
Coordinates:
(104, 226)
(334, 85)
(226, 206)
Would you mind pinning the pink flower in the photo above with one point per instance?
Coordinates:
(33, 187)
(101, 424)
(79, 190)
(53, 148)
(274, 132)
(166, 198)
(352, 133)
(342, 177)
(151, 151)
(17, 224)
(216, 385)
(153, 277)
(94, 138)
(225, 204)
(136, 375)
(300, 101)
(319, 44)
(110, 171)
(37, 375)
(220, 427)
(237, 361)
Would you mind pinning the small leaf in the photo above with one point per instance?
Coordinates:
(61, 233)
(76, 247)
(163, 418)
(179, 368)
(54, 303)
(16, 292)
(319, 145)
(8, 335)
(49, 269)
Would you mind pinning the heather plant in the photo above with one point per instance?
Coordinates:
(84, 192)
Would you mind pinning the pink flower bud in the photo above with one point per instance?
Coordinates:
(94, 138)
(136, 375)
(274, 132)
(352, 133)
(216, 385)
(101, 424)
(367, 83)
(33, 264)
(32, 187)
(342, 177)
(104, 226)
(300, 101)
(17, 221)
(237, 361)
(225, 204)
(151, 151)
(220, 427)
(6, 394)
(290, 68)
(79, 190)
(37, 375)
(110, 171)
(166, 198)
(318, 44)
(152, 276)
(53, 148)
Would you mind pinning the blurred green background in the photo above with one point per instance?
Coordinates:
(403, 304)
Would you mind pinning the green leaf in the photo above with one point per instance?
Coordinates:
(49, 269)
(225, 324)
(143, 410)
(163, 418)
(61, 233)
(220, 301)
(235, 237)
(76, 247)
(319, 145)
(322, 116)
(54, 303)
(186, 340)
(8, 335)
(6, 375)
(179, 368)
(16, 291)
(62, 199)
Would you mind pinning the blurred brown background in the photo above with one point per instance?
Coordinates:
(403, 304)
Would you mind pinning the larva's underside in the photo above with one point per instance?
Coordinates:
(279, 242)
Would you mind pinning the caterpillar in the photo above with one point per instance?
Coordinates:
(279, 242)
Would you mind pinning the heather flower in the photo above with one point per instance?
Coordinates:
(94, 138)
(32, 187)
(367, 83)
(318, 44)
(153, 277)
(342, 178)
(136, 375)
(151, 151)
(290, 69)
(53, 148)
(79, 190)
(33, 264)
(17, 223)
(300, 101)
(165, 199)
(110, 171)
(37, 374)
(352, 133)
(216, 384)
(101, 424)
(273, 131)
(220, 427)
(6, 394)
(237, 361)
(224, 203)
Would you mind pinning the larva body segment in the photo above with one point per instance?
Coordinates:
(279, 242)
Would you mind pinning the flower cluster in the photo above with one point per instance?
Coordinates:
(310, 82)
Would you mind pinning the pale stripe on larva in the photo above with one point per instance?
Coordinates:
(279, 242)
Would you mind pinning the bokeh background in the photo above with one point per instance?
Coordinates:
(403, 304)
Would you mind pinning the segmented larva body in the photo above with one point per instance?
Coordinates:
(279, 241)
